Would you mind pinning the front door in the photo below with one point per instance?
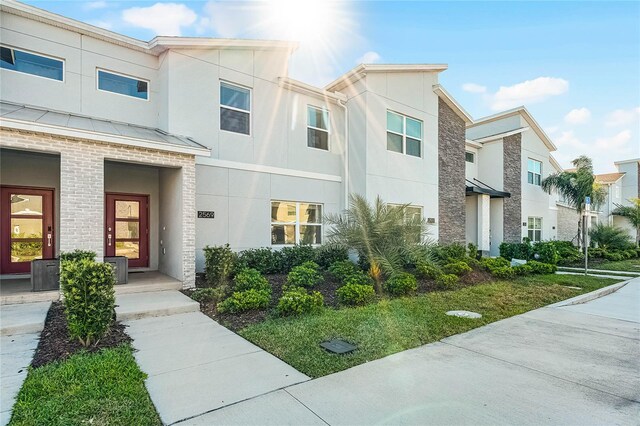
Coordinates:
(26, 228)
(127, 228)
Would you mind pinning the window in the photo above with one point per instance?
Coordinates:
(317, 128)
(123, 85)
(404, 134)
(534, 229)
(534, 172)
(235, 108)
(296, 223)
(31, 63)
(469, 157)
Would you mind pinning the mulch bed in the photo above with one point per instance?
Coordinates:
(55, 343)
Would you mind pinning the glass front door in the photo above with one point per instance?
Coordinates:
(27, 228)
(127, 230)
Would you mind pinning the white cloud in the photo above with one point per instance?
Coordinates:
(621, 117)
(102, 24)
(528, 92)
(578, 116)
(474, 88)
(93, 5)
(161, 18)
(369, 57)
(615, 142)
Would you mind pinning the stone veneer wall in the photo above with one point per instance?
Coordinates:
(451, 176)
(82, 188)
(567, 223)
(512, 183)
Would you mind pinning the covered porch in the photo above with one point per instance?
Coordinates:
(484, 216)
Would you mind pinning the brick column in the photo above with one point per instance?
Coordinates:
(512, 178)
(484, 223)
(189, 225)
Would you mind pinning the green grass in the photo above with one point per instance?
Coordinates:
(390, 326)
(103, 388)
(631, 265)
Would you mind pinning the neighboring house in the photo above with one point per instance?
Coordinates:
(622, 187)
(154, 150)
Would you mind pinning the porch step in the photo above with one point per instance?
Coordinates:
(23, 318)
(153, 304)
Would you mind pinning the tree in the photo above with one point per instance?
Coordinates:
(383, 235)
(632, 213)
(575, 185)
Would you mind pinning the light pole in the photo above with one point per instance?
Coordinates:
(585, 227)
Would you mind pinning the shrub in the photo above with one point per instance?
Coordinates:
(613, 256)
(473, 263)
(218, 263)
(401, 284)
(631, 253)
(503, 272)
(610, 237)
(522, 269)
(457, 268)
(449, 253)
(89, 298)
(327, 255)
(250, 279)
(296, 301)
(490, 263)
(567, 252)
(241, 301)
(355, 294)
(265, 260)
(545, 252)
(446, 281)
(359, 278)
(77, 255)
(296, 255)
(208, 294)
(428, 270)
(522, 250)
(473, 251)
(305, 275)
(541, 268)
(342, 269)
(595, 253)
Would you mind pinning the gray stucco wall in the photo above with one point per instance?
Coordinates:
(512, 178)
(451, 174)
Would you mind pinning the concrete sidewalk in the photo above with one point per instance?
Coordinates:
(573, 364)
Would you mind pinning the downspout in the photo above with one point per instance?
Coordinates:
(346, 153)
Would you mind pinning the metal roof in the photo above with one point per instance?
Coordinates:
(95, 126)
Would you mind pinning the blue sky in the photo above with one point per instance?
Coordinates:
(575, 65)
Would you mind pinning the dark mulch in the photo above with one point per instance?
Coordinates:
(56, 345)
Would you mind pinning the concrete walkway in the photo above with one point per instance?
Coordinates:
(194, 364)
(20, 327)
(574, 364)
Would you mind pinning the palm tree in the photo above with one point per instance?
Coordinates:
(632, 213)
(383, 235)
(575, 185)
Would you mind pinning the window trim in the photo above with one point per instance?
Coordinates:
(31, 52)
(534, 173)
(404, 135)
(297, 222)
(534, 228)
(473, 157)
(327, 130)
(98, 69)
(250, 111)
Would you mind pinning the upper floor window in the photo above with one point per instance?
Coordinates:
(469, 157)
(404, 134)
(296, 223)
(317, 127)
(534, 172)
(235, 108)
(31, 63)
(534, 229)
(123, 85)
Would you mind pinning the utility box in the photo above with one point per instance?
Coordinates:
(120, 268)
(45, 274)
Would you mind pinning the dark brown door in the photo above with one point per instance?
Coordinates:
(127, 228)
(26, 227)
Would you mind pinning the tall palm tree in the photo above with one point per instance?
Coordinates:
(632, 213)
(575, 185)
(382, 234)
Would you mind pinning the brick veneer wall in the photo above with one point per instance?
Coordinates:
(451, 175)
(512, 178)
(82, 188)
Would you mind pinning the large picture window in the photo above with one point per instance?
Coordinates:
(31, 63)
(404, 134)
(123, 85)
(534, 229)
(317, 127)
(534, 172)
(296, 223)
(235, 108)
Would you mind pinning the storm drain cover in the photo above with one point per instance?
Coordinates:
(338, 346)
(464, 314)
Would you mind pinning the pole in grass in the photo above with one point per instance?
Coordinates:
(585, 227)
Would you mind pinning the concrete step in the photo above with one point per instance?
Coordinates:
(23, 318)
(153, 304)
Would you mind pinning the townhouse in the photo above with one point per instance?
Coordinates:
(153, 150)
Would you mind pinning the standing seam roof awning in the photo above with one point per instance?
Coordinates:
(23, 117)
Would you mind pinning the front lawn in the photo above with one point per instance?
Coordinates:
(103, 388)
(393, 325)
(630, 265)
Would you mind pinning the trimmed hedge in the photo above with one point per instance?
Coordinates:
(447, 281)
(428, 270)
(296, 301)
(219, 262)
(354, 294)
(401, 284)
(456, 268)
(250, 279)
(305, 275)
(241, 301)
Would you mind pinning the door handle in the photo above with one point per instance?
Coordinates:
(48, 240)
(109, 239)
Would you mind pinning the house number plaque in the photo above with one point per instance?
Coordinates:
(206, 214)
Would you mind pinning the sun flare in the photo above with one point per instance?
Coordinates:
(303, 21)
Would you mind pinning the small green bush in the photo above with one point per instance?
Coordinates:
(522, 250)
(447, 282)
(401, 284)
(457, 268)
(354, 294)
(359, 278)
(265, 260)
(503, 272)
(428, 270)
(541, 268)
(327, 255)
(296, 255)
(545, 252)
(596, 253)
(449, 253)
(490, 263)
(250, 279)
(248, 300)
(218, 264)
(89, 298)
(472, 263)
(522, 269)
(613, 256)
(342, 269)
(610, 238)
(305, 275)
(631, 253)
(473, 251)
(567, 252)
(296, 301)
(77, 255)
(208, 294)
